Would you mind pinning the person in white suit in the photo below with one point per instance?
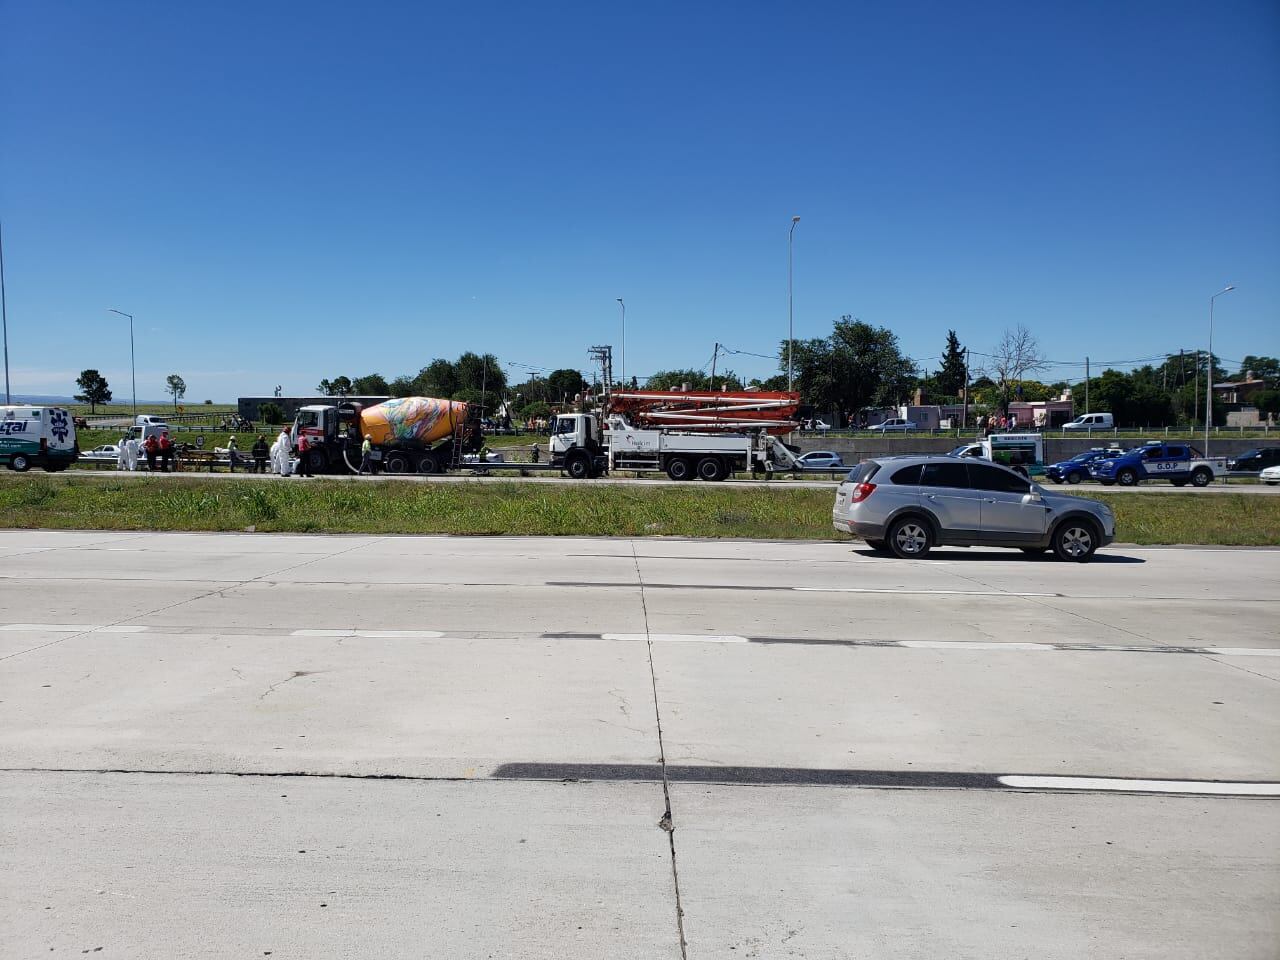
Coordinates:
(131, 454)
(281, 452)
(122, 454)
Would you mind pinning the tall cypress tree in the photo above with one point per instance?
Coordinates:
(950, 379)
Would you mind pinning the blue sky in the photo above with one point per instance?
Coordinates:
(288, 191)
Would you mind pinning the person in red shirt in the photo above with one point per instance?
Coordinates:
(166, 452)
(152, 447)
(304, 458)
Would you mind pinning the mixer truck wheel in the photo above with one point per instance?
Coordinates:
(711, 468)
(678, 468)
(578, 466)
(428, 464)
(397, 462)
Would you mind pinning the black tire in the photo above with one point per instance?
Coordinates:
(1076, 540)
(909, 538)
(578, 466)
(678, 468)
(711, 468)
(20, 463)
(1201, 477)
(427, 463)
(396, 462)
(1074, 476)
(1127, 478)
(317, 462)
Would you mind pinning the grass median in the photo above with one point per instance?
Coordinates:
(536, 509)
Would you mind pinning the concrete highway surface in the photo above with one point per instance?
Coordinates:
(237, 745)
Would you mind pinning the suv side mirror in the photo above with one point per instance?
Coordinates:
(1032, 497)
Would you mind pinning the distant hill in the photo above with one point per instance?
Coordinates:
(43, 400)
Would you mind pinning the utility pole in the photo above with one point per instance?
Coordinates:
(623, 356)
(1208, 383)
(791, 314)
(964, 412)
(1195, 375)
(714, 356)
(4, 312)
(1086, 384)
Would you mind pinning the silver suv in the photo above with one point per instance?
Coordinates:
(907, 505)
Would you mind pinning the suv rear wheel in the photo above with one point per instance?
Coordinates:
(909, 538)
(1201, 477)
(1075, 540)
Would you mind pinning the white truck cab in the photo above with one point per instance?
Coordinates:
(1023, 452)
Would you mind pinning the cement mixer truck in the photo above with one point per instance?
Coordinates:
(409, 435)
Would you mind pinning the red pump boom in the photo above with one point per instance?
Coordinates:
(707, 411)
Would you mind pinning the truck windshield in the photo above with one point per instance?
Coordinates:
(308, 418)
(564, 425)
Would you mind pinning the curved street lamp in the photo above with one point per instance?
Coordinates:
(133, 370)
(1208, 392)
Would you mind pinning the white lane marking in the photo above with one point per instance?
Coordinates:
(675, 637)
(372, 634)
(908, 590)
(71, 628)
(1242, 651)
(974, 645)
(1235, 789)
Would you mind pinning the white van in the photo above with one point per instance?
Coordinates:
(37, 437)
(1091, 422)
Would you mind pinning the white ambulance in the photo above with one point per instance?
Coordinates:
(37, 437)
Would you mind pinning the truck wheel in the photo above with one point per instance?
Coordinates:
(909, 538)
(678, 468)
(711, 468)
(20, 463)
(1201, 477)
(1074, 476)
(1127, 478)
(396, 462)
(428, 464)
(317, 462)
(1075, 541)
(578, 466)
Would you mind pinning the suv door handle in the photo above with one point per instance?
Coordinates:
(931, 496)
(988, 499)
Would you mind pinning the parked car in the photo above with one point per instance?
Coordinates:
(1255, 460)
(1077, 468)
(1091, 422)
(820, 459)
(1270, 476)
(108, 451)
(893, 425)
(908, 505)
(1178, 463)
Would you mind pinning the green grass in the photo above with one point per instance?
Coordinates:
(125, 409)
(698, 510)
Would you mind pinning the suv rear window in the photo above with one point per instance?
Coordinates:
(862, 472)
(945, 475)
(908, 476)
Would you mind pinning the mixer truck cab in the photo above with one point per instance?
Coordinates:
(577, 446)
(37, 437)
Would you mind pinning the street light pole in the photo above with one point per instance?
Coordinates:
(1208, 385)
(4, 313)
(133, 368)
(623, 357)
(791, 315)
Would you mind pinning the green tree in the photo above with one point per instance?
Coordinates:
(949, 381)
(439, 378)
(371, 385)
(1267, 402)
(480, 372)
(1262, 368)
(271, 413)
(177, 387)
(858, 366)
(93, 389)
(401, 386)
(564, 384)
(337, 387)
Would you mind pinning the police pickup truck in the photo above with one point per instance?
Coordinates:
(1178, 463)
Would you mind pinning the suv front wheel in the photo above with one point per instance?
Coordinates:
(1075, 541)
(909, 538)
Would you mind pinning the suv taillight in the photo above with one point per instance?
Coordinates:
(861, 492)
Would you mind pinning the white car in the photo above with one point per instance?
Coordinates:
(821, 460)
(108, 451)
(1270, 476)
(894, 425)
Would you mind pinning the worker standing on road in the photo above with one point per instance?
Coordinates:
(233, 453)
(166, 452)
(152, 447)
(260, 453)
(131, 454)
(304, 456)
(282, 452)
(366, 454)
(122, 454)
